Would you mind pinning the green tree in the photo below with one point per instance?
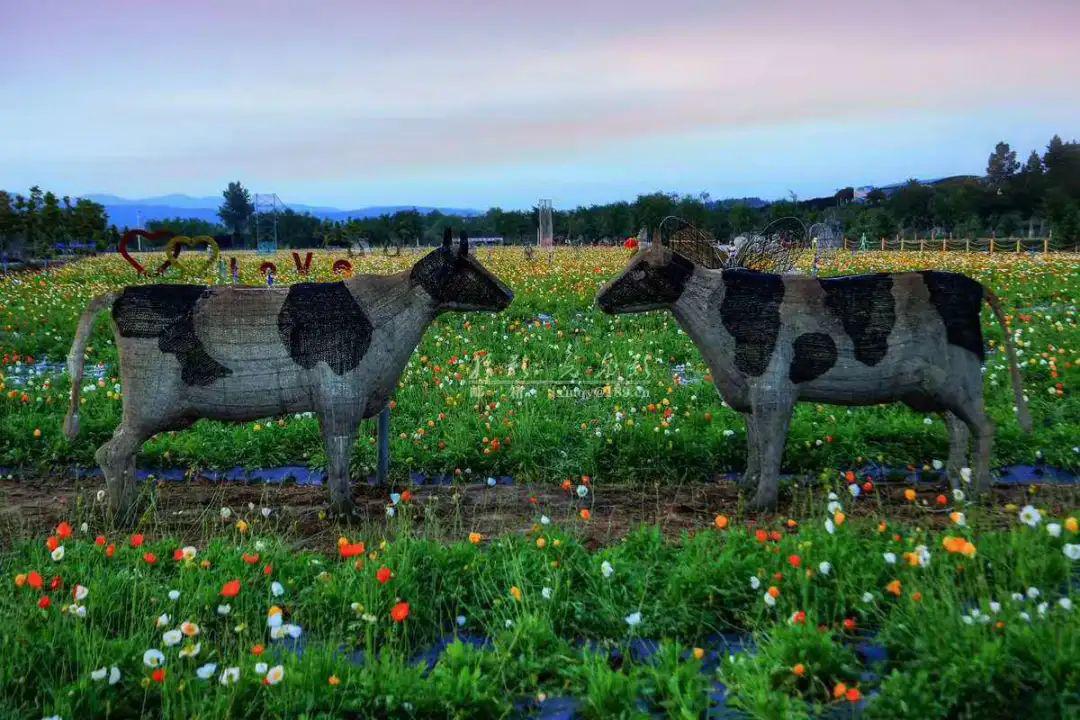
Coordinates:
(237, 208)
(191, 227)
(1001, 165)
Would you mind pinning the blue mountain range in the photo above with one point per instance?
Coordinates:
(126, 212)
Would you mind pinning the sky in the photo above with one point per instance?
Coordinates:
(486, 103)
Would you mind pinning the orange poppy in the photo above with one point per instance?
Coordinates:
(230, 589)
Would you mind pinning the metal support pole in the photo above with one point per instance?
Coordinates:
(383, 472)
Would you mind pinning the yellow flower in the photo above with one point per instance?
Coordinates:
(1072, 525)
(515, 591)
(334, 680)
(242, 526)
(699, 653)
(475, 538)
(541, 542)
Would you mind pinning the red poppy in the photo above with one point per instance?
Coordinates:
(230, 589)
(136, 540)
(99, 540)
(794, 561)
(349, 550)
(110, 551)
(178, 554)
(44, 602)
(383, 575)
(268, 570)
(52, 543)
(761, 535)
(158, 675)
(34, 580)
(150, 558)
(63, 530)
(258, 650)
(399, 612)
(849, 624)
(56, 583)
(251, 559)
(406, 496)
(798, 618)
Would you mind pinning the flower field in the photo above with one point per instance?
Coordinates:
(864, 597)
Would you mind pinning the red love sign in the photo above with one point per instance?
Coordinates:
(158, 235)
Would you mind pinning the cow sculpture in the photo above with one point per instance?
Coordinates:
(771, 341)
(243, 353)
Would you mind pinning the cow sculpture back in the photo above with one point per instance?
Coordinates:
(242, 353)
(772, 340)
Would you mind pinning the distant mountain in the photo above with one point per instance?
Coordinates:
(127, 212)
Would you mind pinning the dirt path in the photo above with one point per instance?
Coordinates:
(191, 510)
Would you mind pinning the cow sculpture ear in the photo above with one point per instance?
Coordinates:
(463, 246)
(447, 238)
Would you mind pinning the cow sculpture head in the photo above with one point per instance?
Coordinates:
(653, 280)
(457, 281)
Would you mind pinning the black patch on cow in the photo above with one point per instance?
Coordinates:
(167, 312)
(323, 322)
(815, 354)
(865, 307)
(958, 300)
(751, 313)
(656, 284)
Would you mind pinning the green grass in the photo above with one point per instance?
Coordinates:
(686, 589)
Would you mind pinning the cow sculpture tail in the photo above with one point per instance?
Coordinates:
(76, 356)
(1022, 414)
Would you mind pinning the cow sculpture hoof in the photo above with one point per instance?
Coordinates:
(764, 499)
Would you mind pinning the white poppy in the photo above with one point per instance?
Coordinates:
(229, 675)
(755, 583)
(824, 568)
(172, 637)
(1033, 592)
(162, 620)
(1071, 551)
(890, 558)
(545, 520)
(261, 668)
(965, 474)
(205, 672)
(1030, 516)
(633, 619)
(545, 593)
(834, 506)
(153, 658)
(224, 609)
(174, 595)
(58, 554)
(769, 599)
(99, 674)
(1065, 603)
(275, 674)
(830, 526)
(277, 589)
(867, 597)
(582, 491)
(190, 650)
(460, 619)
(226, 513)
(1054, 529)
(606, 569)
(114, 675)
(80, 592)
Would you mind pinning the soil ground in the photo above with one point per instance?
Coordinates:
(191, 510)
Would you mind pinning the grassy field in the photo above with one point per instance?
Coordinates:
(552, 387)
(486, 602)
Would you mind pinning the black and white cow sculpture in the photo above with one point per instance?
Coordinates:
(243, 353)
(771, 341)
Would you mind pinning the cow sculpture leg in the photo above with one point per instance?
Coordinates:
(749, 480)
(117, 460)
(771, 410)
(959, 437)
(973, 414)
(339, 436)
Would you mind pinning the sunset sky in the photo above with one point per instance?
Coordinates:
(500, 103)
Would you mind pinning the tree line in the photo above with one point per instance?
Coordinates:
(1033, 198)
